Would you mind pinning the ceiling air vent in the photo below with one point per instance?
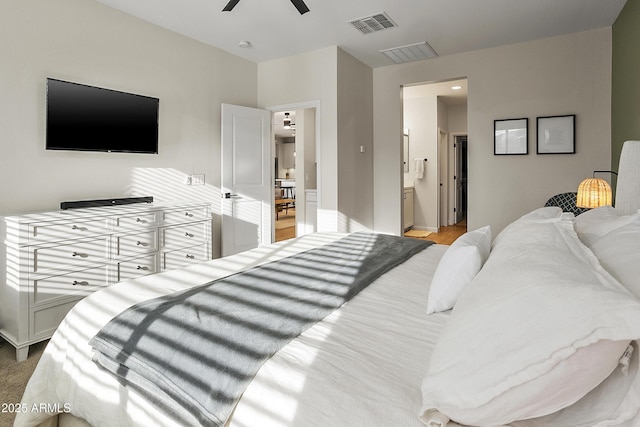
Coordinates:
(370, 24)
(409, 53)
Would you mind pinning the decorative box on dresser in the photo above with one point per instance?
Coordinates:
(51, 260)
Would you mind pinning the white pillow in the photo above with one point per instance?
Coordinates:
(615, 402)
(541, 309)
(544, 214)
(619, 253)
(595, 223)
(458, 266)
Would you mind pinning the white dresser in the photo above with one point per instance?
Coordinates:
(51, 260)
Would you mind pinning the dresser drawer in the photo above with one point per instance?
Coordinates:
(184, 235)
(143, 219)
(43, 321)
(185, 215)
(132, 244)
(48, 232)
(77, 284)
(70, 255)
(184, 257)
(132, 268)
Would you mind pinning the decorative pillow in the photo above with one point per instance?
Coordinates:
(458, 266)
(541, 313)
(619, 253)
(594, 224)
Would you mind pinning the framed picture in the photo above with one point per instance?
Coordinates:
(556, 134)
(510, 136)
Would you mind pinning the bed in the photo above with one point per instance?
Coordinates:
(536, 326)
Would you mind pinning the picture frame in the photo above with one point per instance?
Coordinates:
(556, 134)
(511, 137)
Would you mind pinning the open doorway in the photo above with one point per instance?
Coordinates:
(284, 128)
(295, 172)
(434, 116)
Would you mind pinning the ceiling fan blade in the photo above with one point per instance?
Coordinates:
(230, 5)
(301, 6)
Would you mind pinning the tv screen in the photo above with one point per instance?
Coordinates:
(88, 118)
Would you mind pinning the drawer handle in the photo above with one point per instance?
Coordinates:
(188, 234)
(140, 220)
(81, 255)
(189, 214)
(141, 267)
(75, 227)
(191, 256)
(139, 243)
(83, 283)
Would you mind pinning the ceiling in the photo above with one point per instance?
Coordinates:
(275, 29)
(451, 92)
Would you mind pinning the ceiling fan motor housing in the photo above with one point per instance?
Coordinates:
(299, 4)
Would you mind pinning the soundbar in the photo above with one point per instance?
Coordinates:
(104, 202)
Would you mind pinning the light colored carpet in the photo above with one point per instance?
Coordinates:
(417, 233)
(15, 375)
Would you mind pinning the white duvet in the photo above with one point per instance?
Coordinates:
(361, 366)
(538, 328)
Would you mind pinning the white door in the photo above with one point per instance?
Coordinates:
(246, 178)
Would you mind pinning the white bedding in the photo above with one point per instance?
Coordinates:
(541, 326)
(364, 365)
(361, 366)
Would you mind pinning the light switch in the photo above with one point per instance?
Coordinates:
(197, 179)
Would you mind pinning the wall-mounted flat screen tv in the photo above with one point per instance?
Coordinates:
(88, 118)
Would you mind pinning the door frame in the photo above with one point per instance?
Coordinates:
(443, 178)
(300, 208)
(449, 180)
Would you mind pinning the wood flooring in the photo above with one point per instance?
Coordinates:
(286, 229)
(286, 225)
(447, 235)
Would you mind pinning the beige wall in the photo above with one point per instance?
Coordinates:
(421, 119)
(458, 119)
(562, 75)
(308, 131)
(86, 42)
(355, 143)
(309, 77)
(341, 86)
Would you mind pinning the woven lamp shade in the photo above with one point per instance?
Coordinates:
(593, 192)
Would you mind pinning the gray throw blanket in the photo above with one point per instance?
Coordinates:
(197, 350)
